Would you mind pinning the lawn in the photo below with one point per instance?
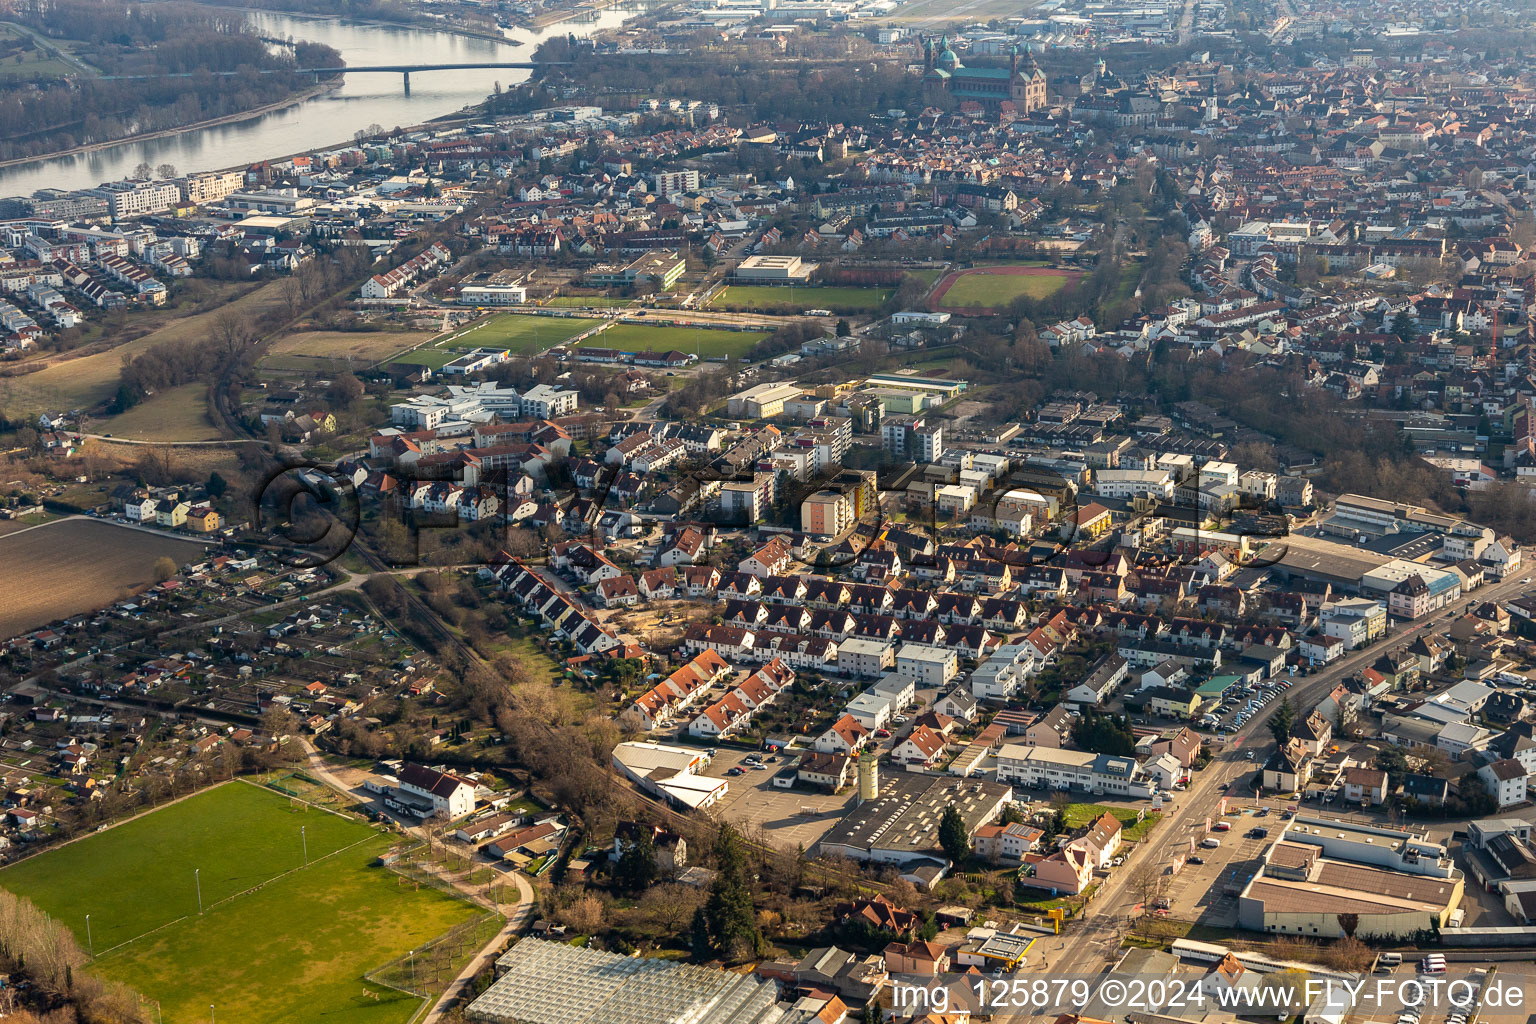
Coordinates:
(996, 288)
(296, 948)
(769, 299)
(700, 341)
(174, 414)
(311, 350)
(1079, 815)
(85, 380)
(34, 63)
(138, 876)
(433, 357)
(522, 334)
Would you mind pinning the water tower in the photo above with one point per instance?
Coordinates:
(869, 776)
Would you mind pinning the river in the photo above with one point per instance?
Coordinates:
(326, 120)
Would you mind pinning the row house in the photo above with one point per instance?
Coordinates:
(733, 711)
(681, 689)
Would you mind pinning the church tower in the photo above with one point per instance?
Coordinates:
(1026, 84)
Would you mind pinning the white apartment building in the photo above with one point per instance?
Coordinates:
(139, 198)
(212, 186)
(1131, 483)
(913, 438)
(544, 402)
(925, 665)
(1357, 621)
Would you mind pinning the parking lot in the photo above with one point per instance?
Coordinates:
(753, 801)
(1206, 892)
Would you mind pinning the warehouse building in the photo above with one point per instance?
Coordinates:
(899, 824)
(1326, 878)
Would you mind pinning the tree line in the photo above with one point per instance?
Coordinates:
(38, 117)
(45, 952)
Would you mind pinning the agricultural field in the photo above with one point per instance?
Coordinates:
(318, 350)
(77, 565)
(175, 414)
(770, 299)
(701, 341)
(520, 333)
(994, 288)
(81, 382)
(277, 940)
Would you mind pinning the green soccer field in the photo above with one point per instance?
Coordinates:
(522, 334)
(702, 341)
(276, 941)
(435, 358)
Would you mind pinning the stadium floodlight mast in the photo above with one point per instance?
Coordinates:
(89, 944)
(305, 841)
(197, 880)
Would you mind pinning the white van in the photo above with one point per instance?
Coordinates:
(1210, 842)
(1389, 960)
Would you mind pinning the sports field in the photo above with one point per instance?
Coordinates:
(520, 333)
(702, 341)
(288, 942)
(586, 302)
(768, 299)
(987, 289)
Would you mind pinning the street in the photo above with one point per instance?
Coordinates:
(1093, 942)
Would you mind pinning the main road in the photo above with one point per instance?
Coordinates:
(1093, 943)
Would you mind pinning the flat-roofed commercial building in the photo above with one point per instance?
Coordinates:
(775, 270)
(762, 401)
(900, 824)
(662, 268)
(1054, 768)
(1323, 872)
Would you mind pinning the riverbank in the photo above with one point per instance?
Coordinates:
(165, 133)
(584, 9)
(329, 121)
(347, 19)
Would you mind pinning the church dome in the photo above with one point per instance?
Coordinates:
(947, 59)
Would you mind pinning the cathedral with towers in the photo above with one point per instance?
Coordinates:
(943, 74)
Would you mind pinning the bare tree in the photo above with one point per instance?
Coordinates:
(292, 292)
(586, 915)
(1148, 884)
(671, 904)
(232, 332)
